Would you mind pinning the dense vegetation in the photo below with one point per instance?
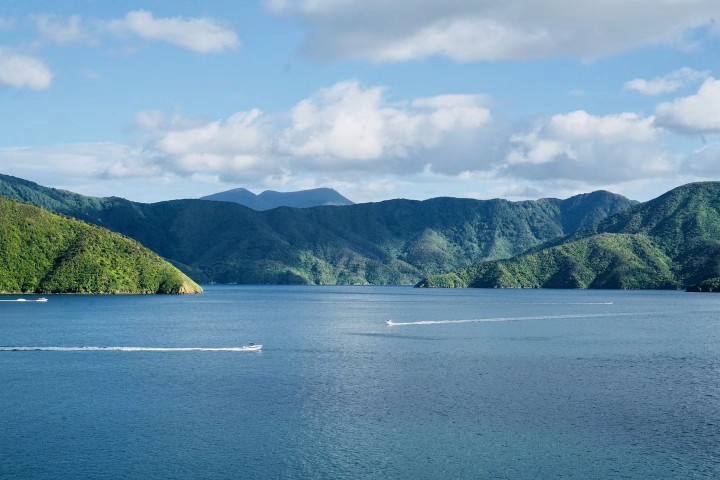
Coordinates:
(709, 285)
(43, 252)
(602, 261)
(672, 241)
(392, 242)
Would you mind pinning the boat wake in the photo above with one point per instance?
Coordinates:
(390, 323)
(26, 300)
(247, 348)
(574, 303)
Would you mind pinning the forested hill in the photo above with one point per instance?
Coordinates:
(672, 241)
(391, 242)
(41, 252)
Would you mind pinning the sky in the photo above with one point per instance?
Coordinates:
(520, 99)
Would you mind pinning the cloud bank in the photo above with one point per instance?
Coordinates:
(196, 34)
(362, 140)
(469, 30)
(200, 35)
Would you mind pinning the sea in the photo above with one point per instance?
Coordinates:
(463, 384)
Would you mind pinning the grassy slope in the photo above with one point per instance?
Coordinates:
(47, 253)
(392, 242)
(675, 243)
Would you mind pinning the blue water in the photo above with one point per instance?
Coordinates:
(596, 384)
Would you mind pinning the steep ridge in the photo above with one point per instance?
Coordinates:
(391, 242)
(675, 241)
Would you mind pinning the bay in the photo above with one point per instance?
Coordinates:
(492, 384)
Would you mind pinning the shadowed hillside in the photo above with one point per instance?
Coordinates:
(672, 241)
(391, 242)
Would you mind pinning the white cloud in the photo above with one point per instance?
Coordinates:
(343, 129)
(62, 30)
(201, 35)
(150, 119)
(469, 30)
(197, 34)
(78, 161)
(371, 146)
(348, 124)
(591, 149)
(666, 83)
(578, 92)
(100, 169)
(694, 114)
(580, 125)
(23, 71)
(238, 147)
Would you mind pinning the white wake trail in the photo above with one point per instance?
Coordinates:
(253, 348)
(24, 300)
(390, 323)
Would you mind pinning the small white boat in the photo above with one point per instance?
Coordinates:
(389, 323)
(252, 346)
(41, 299)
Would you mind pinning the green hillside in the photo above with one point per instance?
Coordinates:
(672, 241)
(41, 252)
(391, 242)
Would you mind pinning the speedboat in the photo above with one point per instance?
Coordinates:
(253, 347)
(41, 299)
(388, 323)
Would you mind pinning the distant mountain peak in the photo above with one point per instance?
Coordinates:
(270, 199)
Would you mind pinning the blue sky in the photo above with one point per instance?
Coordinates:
(157, 100)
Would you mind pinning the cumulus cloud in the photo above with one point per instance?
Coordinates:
(592, 149)
(201, 35)
(349, 126)
(694, 114)
(62, 30)
(468, 30)
(346, 127)
(23, 71)
(667, 83)
(370, 145)
(238, 147)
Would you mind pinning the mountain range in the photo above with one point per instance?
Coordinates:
(270, 199)
(390, 242)
(672, 241)
(41, 252)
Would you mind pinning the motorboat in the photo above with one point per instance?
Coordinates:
(252, 346)
(42, 299)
